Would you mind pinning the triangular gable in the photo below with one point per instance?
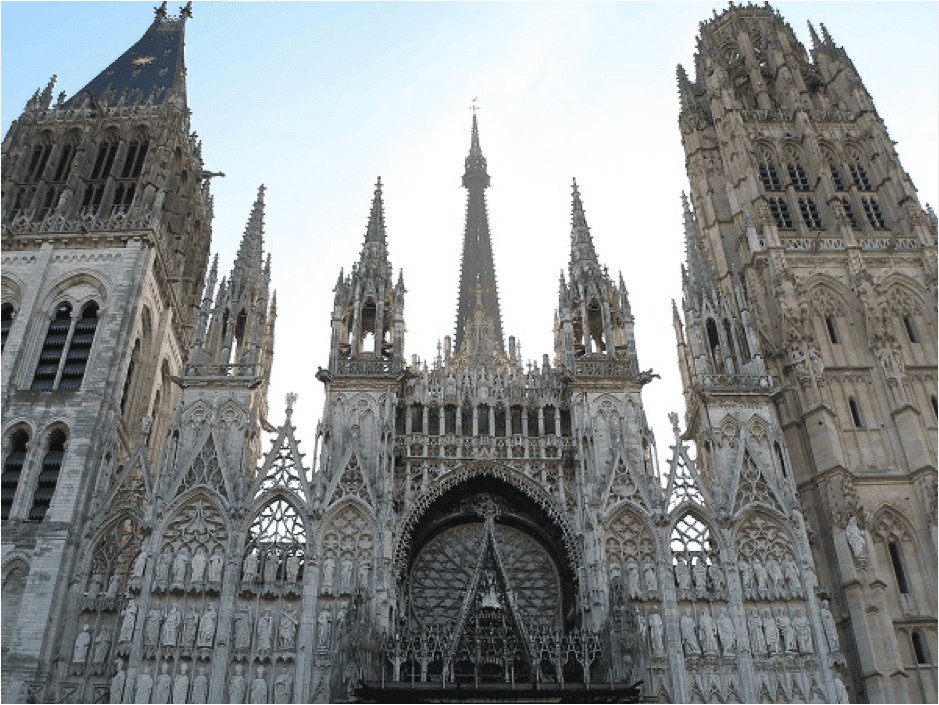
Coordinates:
(351, 482)
(623, 486)
(131, 489)
(207, 467)
(684, 485)
(752, 485)
(283, 467)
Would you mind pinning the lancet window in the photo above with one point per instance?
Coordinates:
(97, 181)
(770, 176)
(7, 316)
(48, 475)
(919, 649)
(849, 212)
(714, 347)
(899, 572)
(875, 215)
(276, 549)
(810, 215)
(13, 470)
(797, 175)
(780, 211)
(129, 379)
(53, 347)
(859, 175)
(65, 352)
(856, 417)
(113, 558)
(38, 158)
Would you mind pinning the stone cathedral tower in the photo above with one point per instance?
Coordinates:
(810, 303)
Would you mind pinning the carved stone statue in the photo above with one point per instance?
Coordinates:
(726, 632)
(117, 683)
(688, 637)
(200, 688)
(657, 634)
(762, 579)
(700, 572)
(364, 567)
(831, 631)
(632, 580)
(616, 573)
(243, 629)
(682, 575)
(707, 633)
(265, 627)
(803, 630)
(237, 686)
(140, 564)
(329, 573)
(757, 639)
(82, 642)
(164, 684)
(128, 623)
(206, 634)
(190, 626)
(649, 577)
(293, 567)
(170, 633)
(181, 684)
(197, 568)
(283, 687)
(791, 571)
(786, 631)
(250, 573)
(259, 688)
(163, 565)
(324, 622)
(346, 574)
(746, 577)
(271, 563)
(102, 645)
(143, 688)
(216, 566)
(776, 579)
(114, 586)
(288, 629)
(856, 539)
(180, 566)
(716, 575)
(151, 628)
(94, 585)
(770, 632)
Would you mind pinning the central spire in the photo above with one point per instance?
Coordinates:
(477, 269)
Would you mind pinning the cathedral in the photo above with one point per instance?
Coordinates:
(475, 526)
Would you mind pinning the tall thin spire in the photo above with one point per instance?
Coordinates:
(375, 247)
(248, 263)
(583, 253)
(477, 269)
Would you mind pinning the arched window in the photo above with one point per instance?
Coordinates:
(37, 162)
(875, 215)
(550, 421)
(13, 470)
(80, 347)
(935, 406)
(898, 571)
(52, 348)
(745, 354)
(129, 379)
(910, 326)
(837, 179)
(849, 212)
(94, 187)
(859, 174)
(14, 587)
(136, 155)
(66, 156)
(779, 457)
(714, 347)
(729, 335)
(919, 649)
(810, 215)
(770, 176)
(855, 413)
(832, 330)
(797, 176)
(48, 475)
(780, 211)
(7, 315)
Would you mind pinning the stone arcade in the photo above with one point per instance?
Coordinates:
(477, 526)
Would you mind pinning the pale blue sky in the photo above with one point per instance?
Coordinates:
(317, 99)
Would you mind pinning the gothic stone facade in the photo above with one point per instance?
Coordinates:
(476, 520)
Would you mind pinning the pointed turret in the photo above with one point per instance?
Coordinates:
(477, 267)
(583, 253)
(374, 257)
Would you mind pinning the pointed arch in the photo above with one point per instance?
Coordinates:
(194, 524)
(350, 482)
(206, 468)
(346, 548)
(275, 546)
(117, 543)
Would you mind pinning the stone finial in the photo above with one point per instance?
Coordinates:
(291, 400)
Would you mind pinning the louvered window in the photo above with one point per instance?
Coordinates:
(49, 200)
(859, 174)
(12, 471)
(770, 177)
(24, 199)
(77, 359)
(37, 162)
(48, 476)
(809, 211)
(6, 322)
(798, 177)
(780, 210)
(66, 155)
(836, 178)
(56, 339)
(130, 172)
(94, 189)
(874, 215)
(849, 212)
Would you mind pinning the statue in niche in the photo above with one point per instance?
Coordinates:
(164, 685)
(688, 637)
(803, 630)
(237, 686)
(117, 683)
(163, 565)
(716, 575)
(144, 686)
(700, 572)
(271, 562)
(171, 628)
(82, 643)
(762, 579)
(324, 622)
(288, 629)
(264, 631)
(207, 628)
(682, 576)
(346, 574)
(856, 539)
(786, 631)
(94, 585)
(180, 565)
(140, 565)
(200, 688)
(657, 634)
(791, 571)
(151, 628)
(250, 573)
(128, 622)
(831, 631)
(746, 577)
(778, 582)
(615, 572)
(216, 566)
(190, 626)
(365, 567)
(648, 575)
(770, 633)
(329, 571)
(757, 638)
(243, 629)
(181, 684)
(707, 632)
(114, 586)
(197, 568)
(283, 687)
(726, 632)
(841, 693)
(632, 580)
(102, 646)
(259, 688)
(293, 567)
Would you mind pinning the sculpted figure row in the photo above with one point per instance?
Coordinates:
(264, 631)
(698, 577)
(770, 579)
(264, 566)
(644, 588)
(186, 569)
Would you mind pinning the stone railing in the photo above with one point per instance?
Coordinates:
(749, 382)
(418, 445)
(207, 370)
(364, 368)
(602, 367)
